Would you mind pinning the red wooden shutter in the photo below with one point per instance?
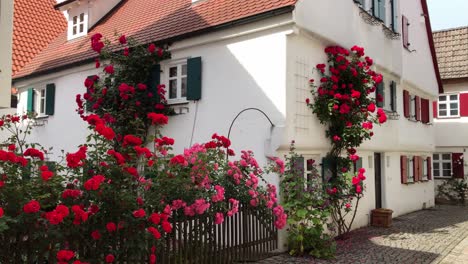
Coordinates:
(434, 109)
(424, 110)
(406, 104)
(457, 165)
(417, 106)
(404, 171)
(429, 168)
(463, 104)
(405, 32)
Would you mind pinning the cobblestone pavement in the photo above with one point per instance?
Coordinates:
(438, 235)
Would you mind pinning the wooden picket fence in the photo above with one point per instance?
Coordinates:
(247, 236)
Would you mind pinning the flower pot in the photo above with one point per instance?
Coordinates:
(381, 217)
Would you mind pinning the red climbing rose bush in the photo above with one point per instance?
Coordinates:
(344, 101)
(118, 196)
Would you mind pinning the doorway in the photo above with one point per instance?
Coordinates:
(378, 179)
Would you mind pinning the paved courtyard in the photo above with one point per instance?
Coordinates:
(438, 235)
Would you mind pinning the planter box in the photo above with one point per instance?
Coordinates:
(381, 217)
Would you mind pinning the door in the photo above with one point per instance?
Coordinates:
(378, 179)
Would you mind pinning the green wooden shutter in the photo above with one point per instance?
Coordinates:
(50, 99)
(194, 75)
(375, 8)
(380, 90)
(394, 7)
(30, 106)
(393, 95)
(328, 168)
(154, 80)
(382, 12)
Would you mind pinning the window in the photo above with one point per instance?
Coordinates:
(78, 24)
(41, 100)
(449, 105)
(177, 80)
(307, 165)
(409, 169)
(442, 164)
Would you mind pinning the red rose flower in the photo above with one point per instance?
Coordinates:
(158, 119)
(109, 69)
(32, 207)
(96, 235)
(123, 39)
(151, 48)
(1, 212)
(110, 258)
(111, 227)
(139, 213)
(65, 255)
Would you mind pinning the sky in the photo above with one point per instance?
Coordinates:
(448, 13)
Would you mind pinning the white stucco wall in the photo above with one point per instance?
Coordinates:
(395, 138)
(6, 33)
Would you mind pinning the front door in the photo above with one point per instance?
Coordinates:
(378, 179)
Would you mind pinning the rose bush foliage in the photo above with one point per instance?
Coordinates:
(116, 198)
(343, 101)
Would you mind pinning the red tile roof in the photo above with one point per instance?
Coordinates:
(35, 24)
(150, 21)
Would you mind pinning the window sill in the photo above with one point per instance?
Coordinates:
(180, 107)
(448, 117)
(41, 117)
(443, 178)
(177, 102)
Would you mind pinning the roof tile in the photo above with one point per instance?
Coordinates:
(452, 52)
(35, 24)
(149, 21)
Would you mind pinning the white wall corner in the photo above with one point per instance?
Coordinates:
(274, 142)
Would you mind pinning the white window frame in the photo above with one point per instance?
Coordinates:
(447, 103)
(440, 163)
(409, 169)
(40, 100)
(72, 25)
(412, 107)
(167, 80)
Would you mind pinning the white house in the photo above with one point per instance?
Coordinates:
(451, 108)
(260, 54)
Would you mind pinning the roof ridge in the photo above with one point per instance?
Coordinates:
(450, 29)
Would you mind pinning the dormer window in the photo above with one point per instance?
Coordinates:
(78, 24)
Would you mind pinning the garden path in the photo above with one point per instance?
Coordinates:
(436, 235)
